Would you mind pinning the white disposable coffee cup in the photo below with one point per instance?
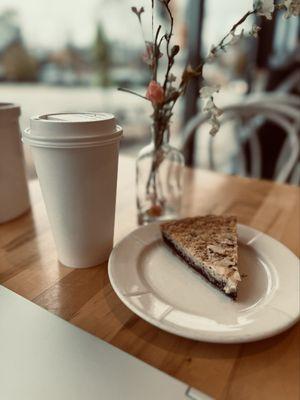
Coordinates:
(14, 198)
(76, 159)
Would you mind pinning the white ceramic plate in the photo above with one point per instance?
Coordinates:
(160, 288)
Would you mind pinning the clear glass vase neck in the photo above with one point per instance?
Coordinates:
(157, 138)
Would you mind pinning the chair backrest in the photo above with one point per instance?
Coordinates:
(281, 110)
(274, 98)
(287, 105)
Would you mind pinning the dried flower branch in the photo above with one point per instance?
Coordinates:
(164, 96)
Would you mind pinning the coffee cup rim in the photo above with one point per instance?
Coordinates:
(89, 140)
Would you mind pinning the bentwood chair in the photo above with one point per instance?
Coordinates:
(244, 120)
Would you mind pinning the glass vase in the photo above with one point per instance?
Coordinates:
(159, 181)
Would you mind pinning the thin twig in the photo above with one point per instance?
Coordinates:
(220, 45)
(142, 29)
(160, 40)
(132, 92)
(155, 54)
(232, 30)
(170, 59)
(152, 18)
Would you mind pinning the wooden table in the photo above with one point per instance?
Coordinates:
(268, 369)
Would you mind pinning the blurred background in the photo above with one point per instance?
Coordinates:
(61, 56)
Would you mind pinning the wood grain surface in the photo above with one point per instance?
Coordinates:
(268, 369)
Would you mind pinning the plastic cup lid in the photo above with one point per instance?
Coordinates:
(83, 117)
(72, 129)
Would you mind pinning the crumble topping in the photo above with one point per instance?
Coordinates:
(210, 242)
